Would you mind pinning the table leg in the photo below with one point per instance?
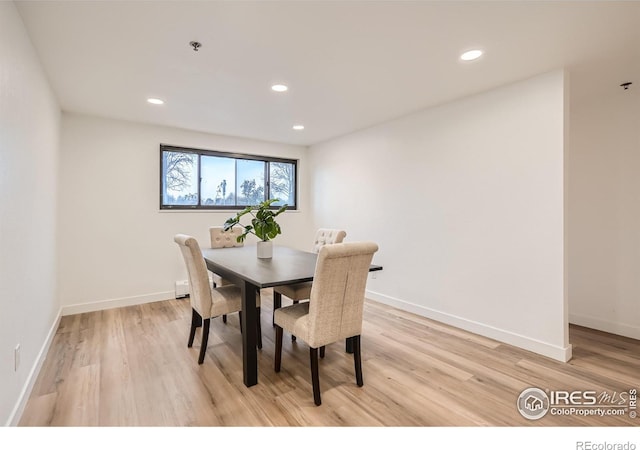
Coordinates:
(249, 334)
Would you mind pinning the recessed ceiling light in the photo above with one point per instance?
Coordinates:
(298, 127)
(155, 101)
(279, 88)
(471, 55)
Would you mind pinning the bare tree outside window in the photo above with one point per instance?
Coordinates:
(178, 167)
(179, 178)
(252, 192)
(283, 179)
(251, 188)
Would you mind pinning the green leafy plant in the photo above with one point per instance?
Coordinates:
(263, 224)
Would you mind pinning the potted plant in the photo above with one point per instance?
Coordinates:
(263, 225)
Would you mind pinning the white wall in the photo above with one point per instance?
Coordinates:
(29, 139)
(116, 246)
(604, 212)
(466, 203)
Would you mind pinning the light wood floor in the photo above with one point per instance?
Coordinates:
(131, 367)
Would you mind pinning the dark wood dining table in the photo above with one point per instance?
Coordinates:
(241, 266)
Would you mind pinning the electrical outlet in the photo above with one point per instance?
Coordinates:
(16, 358)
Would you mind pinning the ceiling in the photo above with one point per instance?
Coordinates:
(348, 64)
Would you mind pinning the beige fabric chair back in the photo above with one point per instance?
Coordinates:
(337, 295)
(326, 236)
(225, 239)
(200, 290)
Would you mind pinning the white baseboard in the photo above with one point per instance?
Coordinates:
(621, 329)
(116, 303)
(562, 354)
(16, 414)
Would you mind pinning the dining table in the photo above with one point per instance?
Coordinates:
(241, 266)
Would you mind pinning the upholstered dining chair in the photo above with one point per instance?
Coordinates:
(223, 239)
(335, 309)
(206, 302)
(301, 291)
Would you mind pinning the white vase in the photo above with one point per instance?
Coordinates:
(265, 249)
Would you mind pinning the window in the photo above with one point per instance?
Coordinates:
(203, 179)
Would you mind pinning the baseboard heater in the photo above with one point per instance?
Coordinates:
(182, 288)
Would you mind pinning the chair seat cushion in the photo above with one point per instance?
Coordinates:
(226, 300)
(299, 291)
(294, 319)
(219, 281)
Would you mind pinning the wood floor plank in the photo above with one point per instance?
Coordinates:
(40, 410)
(131, 367)
(78, 400)
(117, 405)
